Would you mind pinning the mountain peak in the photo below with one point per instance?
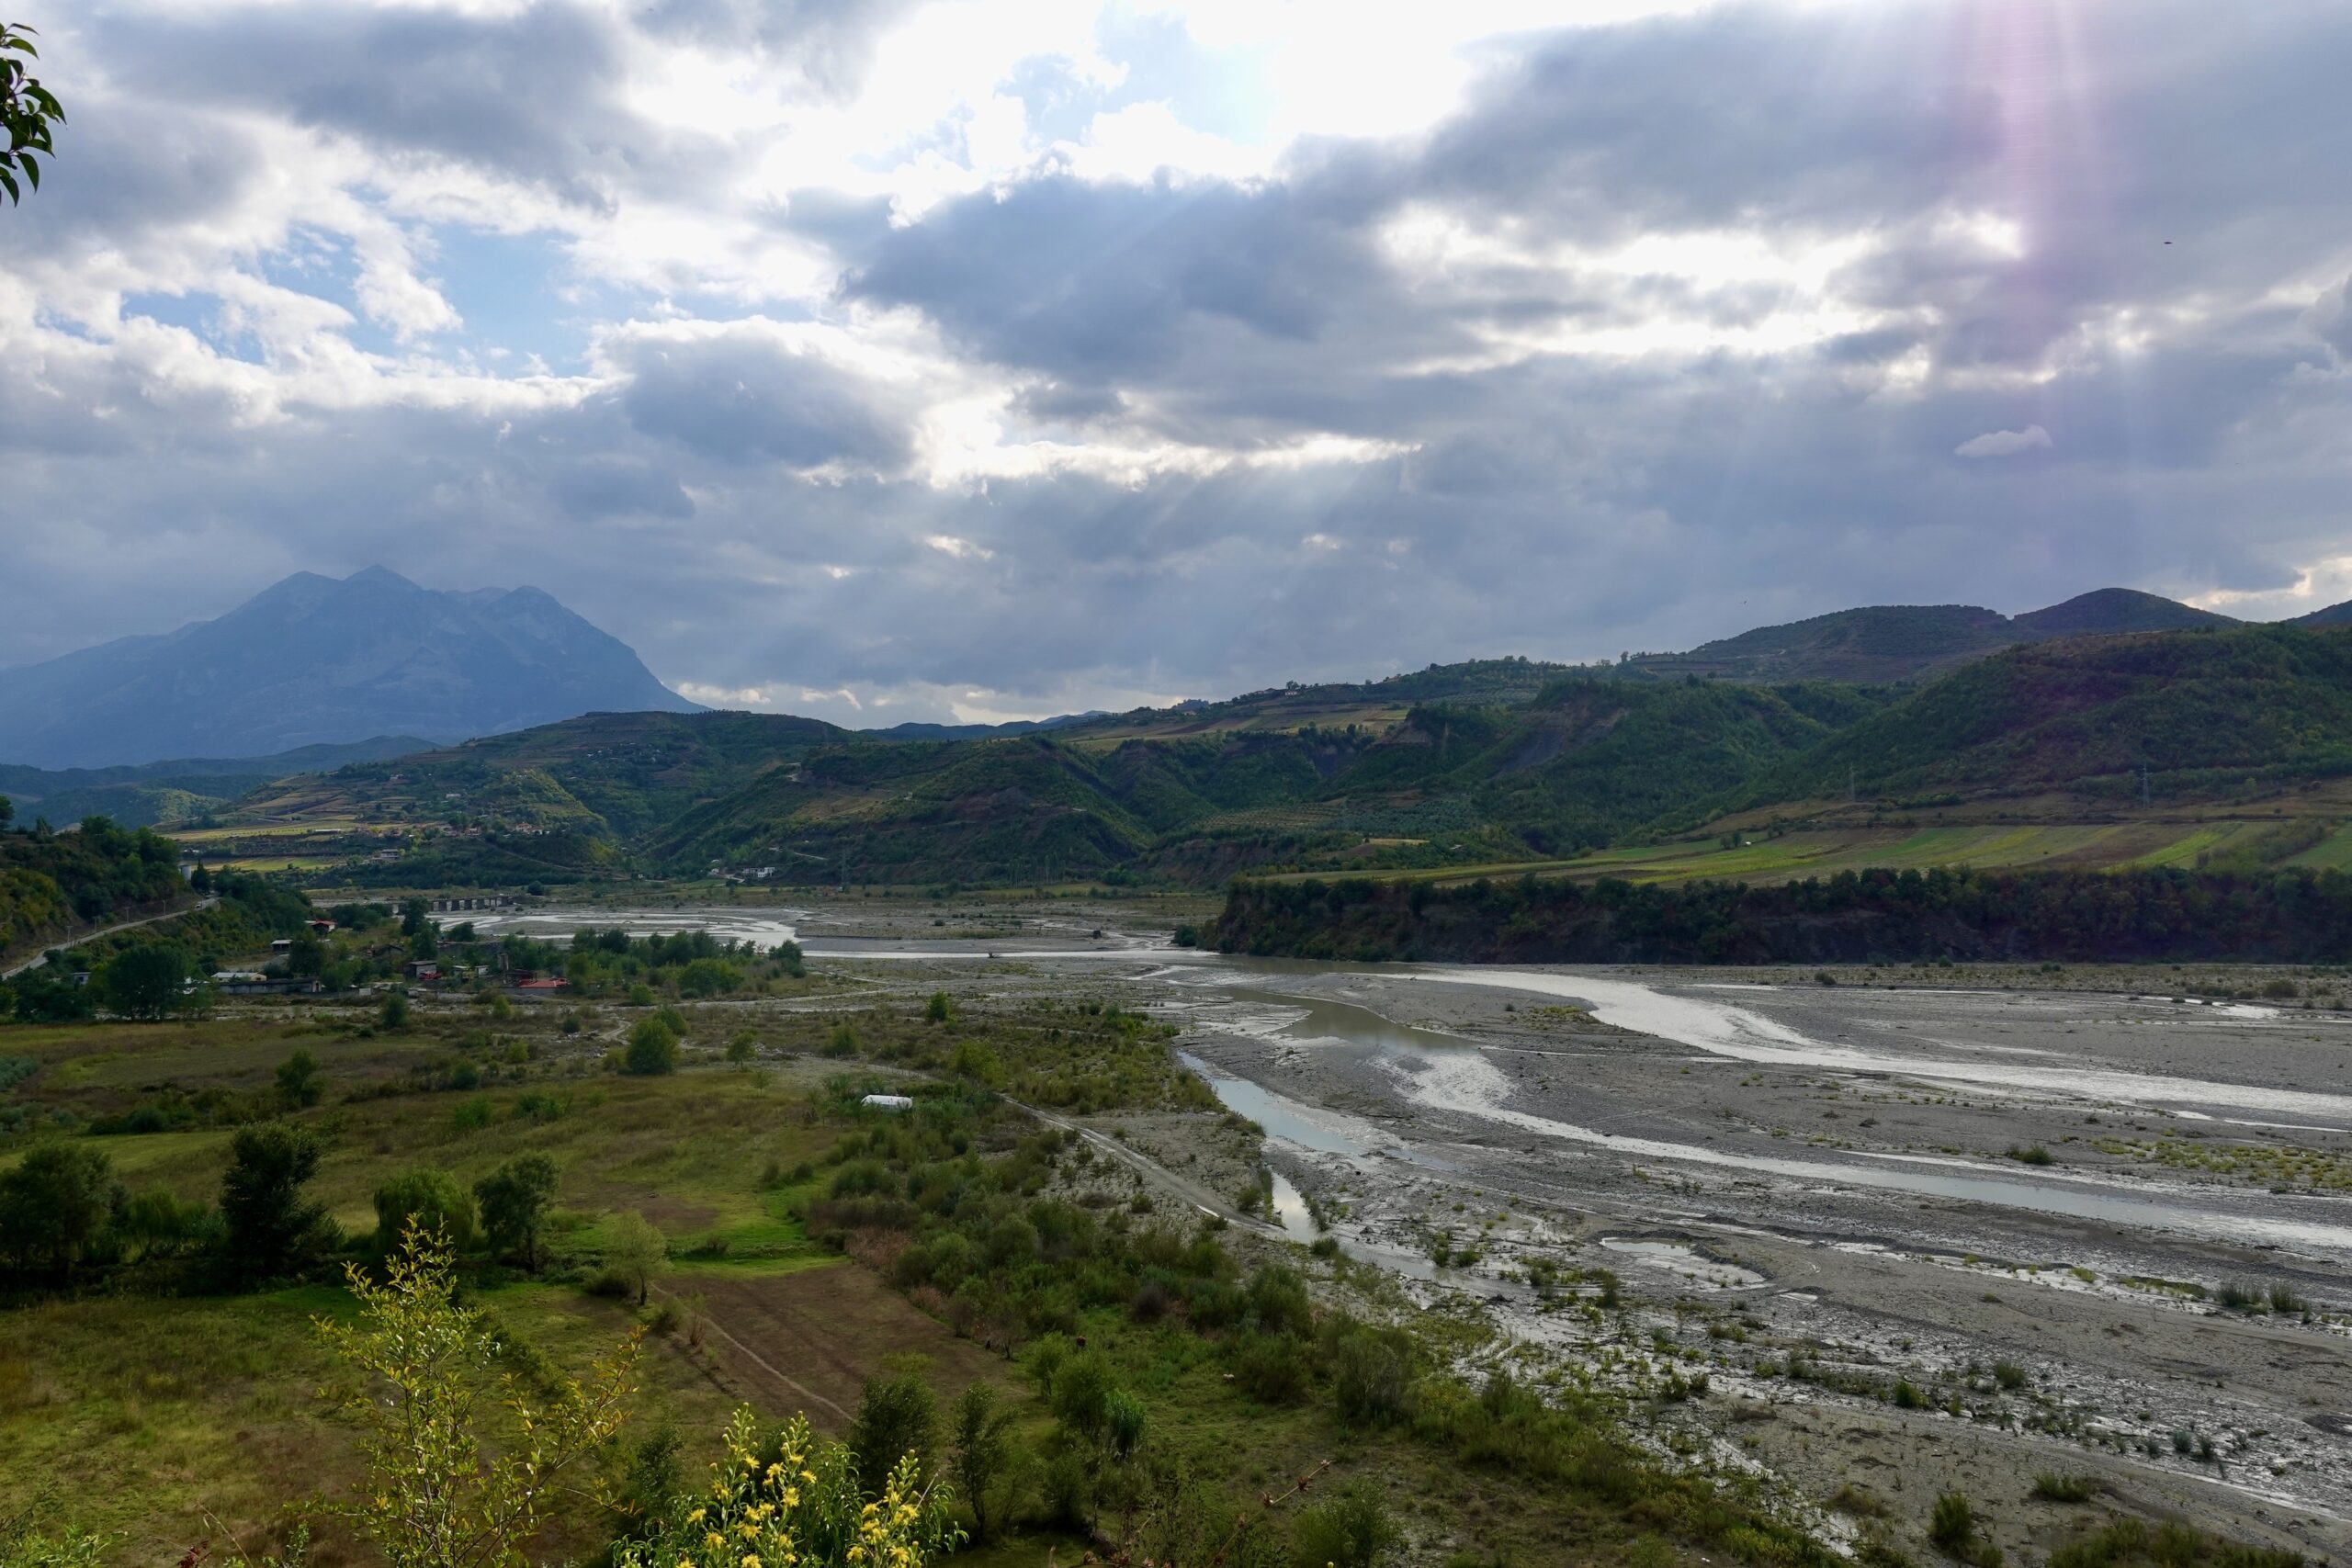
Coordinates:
(2115, 610)
(379, 576)
(311, 660)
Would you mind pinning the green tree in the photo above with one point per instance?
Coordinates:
(149, 981)
(636, 1253)
(652, 1047)
(306, 955)
(160, 1225)
(982, 1427)
(30, 114)
(7, 812)
(393, 1016)
(515, 1201)
(897, 1419)
(431, 1202)
(941, 1009)
(47, 995)
(1083, 1391)
(298, 1080)
(53, 1207)
(708, 977)
(444, 1489)
(268, 1229)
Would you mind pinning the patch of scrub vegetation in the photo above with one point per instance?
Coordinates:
(2279, 1167)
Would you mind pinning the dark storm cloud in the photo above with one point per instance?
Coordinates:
(1094, 283)
(536, 94)
(744, 397)
(1561, 452)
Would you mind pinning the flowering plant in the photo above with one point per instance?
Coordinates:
(793, 1501)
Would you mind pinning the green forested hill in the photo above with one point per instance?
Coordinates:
(1495, 762)
(1584, 760)
(51, 883)
(2198, 708)
(616, 777)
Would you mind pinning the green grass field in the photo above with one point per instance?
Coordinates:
(1826, 851)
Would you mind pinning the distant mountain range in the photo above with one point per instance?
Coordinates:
(316, 661)
(1489, 762)
(1885, 643)
(179, 790)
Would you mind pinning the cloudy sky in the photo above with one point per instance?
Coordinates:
(925, 357)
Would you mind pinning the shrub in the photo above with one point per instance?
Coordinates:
(1279, 1303)
(1350, 1531)
(652, 1047)
(1083, 1391)
(1372, 1372)
(896, 1418)
(743, 1047)
(1951, 1524)
(2053, 1487)
(430, 1201)
(1269, 1369)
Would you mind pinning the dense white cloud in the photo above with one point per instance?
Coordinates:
(932, 357)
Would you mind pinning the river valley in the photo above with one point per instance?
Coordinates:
(1840, 1236)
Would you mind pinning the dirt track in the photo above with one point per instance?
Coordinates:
(808, 1341)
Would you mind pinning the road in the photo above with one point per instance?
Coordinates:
(39, 959)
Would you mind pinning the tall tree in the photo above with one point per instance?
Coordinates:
(53, 1206)
(152, 980)
(515, 1200)
(271, 1230)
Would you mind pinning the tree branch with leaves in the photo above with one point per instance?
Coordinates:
(438, 1496)
(28, 112)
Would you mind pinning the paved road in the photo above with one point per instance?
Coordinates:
(35, 962)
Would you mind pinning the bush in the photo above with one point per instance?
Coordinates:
(2053, 1487)
(896, 1417)
(1279, 1303)
(1951, 1524)
(1350, 1531)
(392, 1017)
(1372, 1372)
(743, 1047)
(1083, 1391)
(1269, 1369)
(432, 1200)
(652, 1047)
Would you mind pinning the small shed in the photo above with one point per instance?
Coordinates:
(888, 1102)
